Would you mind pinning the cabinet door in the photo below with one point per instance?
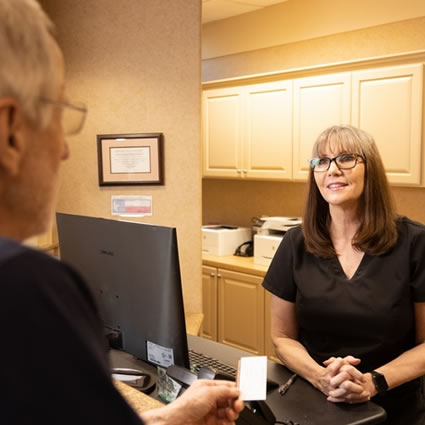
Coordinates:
(387, 103)
(241, 311)
(221, 132)
(319, 102)
(267, 141)
(209, 302)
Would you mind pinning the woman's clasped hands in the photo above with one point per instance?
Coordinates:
(342, 382)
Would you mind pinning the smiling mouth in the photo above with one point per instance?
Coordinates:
(333, 186)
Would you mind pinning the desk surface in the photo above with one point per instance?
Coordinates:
(237, 264)
(137, 400)
(302, 403)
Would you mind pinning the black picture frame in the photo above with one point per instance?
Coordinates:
(130, 159)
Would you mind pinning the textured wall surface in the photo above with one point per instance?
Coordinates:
(388, 39)
(137, 66)
(236, 202)
(301, 20)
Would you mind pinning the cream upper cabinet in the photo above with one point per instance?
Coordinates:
(247, 131)
(267, 148)
(267, 131)
(221, 132)
(387, 103)
(319, 102)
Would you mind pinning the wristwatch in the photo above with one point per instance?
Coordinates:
(379, 381)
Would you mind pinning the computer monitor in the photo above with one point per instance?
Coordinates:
(133, 270)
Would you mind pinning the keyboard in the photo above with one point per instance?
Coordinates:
(222, 370)
(198, 360)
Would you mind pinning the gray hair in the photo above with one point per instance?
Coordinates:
(27, 72)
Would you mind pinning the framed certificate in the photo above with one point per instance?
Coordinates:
(130, 159)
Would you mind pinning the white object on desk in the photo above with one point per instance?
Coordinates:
(272, 225)
(252, 378)
(223, 240)
(265, 246)
(269, 236)
(128, 379)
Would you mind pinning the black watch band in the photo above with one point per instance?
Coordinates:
(379, 381)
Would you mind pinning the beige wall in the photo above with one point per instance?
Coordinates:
(382, 40)
(237, 201)
(300, 20)
(137, 66)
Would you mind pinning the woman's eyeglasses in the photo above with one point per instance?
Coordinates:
(344, 161)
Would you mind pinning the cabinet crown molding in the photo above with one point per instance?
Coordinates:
(417, 56)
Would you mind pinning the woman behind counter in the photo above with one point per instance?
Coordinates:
(348, 304)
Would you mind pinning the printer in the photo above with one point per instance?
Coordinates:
(270, 232)
(221, 239)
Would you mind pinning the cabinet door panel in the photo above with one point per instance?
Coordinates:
(387, 103)
(209, 302)
(241, 311)
(319, 102)
(268, 131)
(221, 124)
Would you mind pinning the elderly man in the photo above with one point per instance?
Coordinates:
(54, 366)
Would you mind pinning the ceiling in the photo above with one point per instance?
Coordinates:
(213, 10)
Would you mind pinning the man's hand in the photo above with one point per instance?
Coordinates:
(205, 402)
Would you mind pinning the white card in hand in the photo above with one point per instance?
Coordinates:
(252, 378)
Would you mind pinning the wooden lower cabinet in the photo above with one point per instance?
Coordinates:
(234, 309)
(209, 302)
(241, 311)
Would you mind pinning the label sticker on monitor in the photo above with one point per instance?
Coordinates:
(160, 355)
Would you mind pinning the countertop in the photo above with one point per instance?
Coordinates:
(137, 400)
(303, 403)
(234, 263)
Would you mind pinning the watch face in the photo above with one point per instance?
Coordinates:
(380, 382)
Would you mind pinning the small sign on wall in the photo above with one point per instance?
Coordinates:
(131, 206)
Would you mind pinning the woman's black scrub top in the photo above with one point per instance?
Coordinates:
(371, 315)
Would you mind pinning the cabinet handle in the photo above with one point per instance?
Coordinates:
(245, 170)
(212, 275)
(239, 171)
(219, 275)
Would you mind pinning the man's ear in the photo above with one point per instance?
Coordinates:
(11, 144)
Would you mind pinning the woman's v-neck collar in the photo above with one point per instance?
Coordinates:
(336, 265)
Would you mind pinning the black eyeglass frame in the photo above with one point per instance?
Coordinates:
(336, 159)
